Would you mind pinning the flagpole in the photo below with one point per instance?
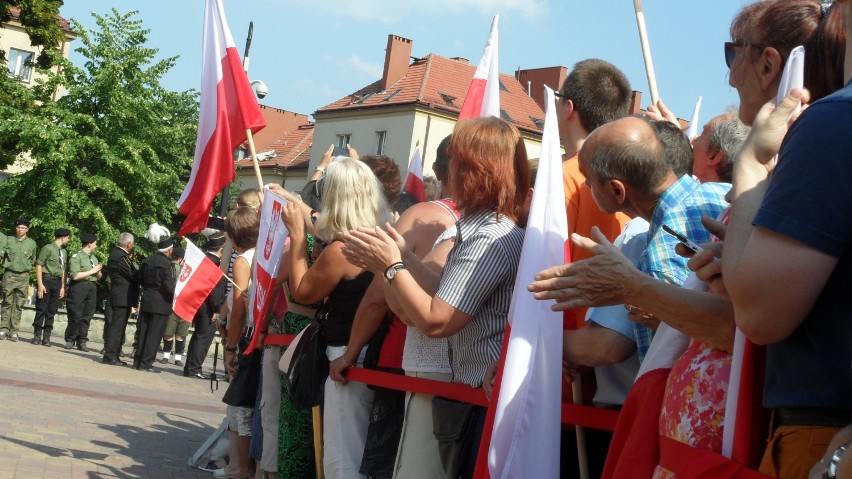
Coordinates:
(582, 450)
(646, 51)
(317, 417)
(254, 160)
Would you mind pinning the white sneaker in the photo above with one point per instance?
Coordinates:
(224, 473)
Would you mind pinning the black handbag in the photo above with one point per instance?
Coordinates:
(242, 390)
(454, 427)
(308, 368)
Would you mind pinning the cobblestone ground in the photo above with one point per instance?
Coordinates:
(66, 415)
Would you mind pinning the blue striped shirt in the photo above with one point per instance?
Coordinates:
(478, 280)
(680, 207)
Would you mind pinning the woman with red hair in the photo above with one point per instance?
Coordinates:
(489, 179)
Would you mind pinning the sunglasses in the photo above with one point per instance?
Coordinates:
(731, 52)
(559, 94)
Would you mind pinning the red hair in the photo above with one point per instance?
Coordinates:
(489, 170)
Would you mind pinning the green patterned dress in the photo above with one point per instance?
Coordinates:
(295, 425)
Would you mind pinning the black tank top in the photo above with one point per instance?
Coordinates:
(338, 312)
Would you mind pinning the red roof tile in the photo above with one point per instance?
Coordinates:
(442, 83)
(290, 151)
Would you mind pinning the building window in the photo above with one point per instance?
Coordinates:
(505, 115)
(21, 64)
(381, 136)
(344, 139)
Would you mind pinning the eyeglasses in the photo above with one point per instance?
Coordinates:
(558, 94)
(731, 53)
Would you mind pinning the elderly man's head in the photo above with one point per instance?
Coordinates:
(717, 146)
(624, 159)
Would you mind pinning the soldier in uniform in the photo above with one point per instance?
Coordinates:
(19, 257)
(158, 289)
(124, 294)
(84, 270)
(50, 283)
(205, 319)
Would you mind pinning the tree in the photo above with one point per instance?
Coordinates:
(114, 153)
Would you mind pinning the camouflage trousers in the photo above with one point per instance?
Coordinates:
(15, 290)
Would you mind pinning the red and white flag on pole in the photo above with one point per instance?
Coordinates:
(228, 109)
(270, 244)
(525, 437)
(198, 276)
(483, 95)
(414, 179)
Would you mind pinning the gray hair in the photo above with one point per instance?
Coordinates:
(124, 238)
(728, 136)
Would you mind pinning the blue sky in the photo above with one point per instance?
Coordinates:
(311, 53)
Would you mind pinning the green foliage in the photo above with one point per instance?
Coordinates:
(114, 153)
(38, 18)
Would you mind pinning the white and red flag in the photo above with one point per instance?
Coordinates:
(483, 95)
(414, 179)
(270, 244)
(527, 421)
(198, 276)
(228, 109)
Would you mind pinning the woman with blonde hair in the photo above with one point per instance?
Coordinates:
(351, 198)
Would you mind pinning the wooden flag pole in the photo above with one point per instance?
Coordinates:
(317, 416)
(646, 51)
(254, 160)
(582, 450)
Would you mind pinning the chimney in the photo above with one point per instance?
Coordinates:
(635, 102)
(396, 60)
(536, 78)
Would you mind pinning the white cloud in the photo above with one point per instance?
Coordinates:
(392, 11)
(372, 71)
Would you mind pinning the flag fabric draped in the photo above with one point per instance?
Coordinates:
(483, 95)
(414, 179)
(527, 425)
(692, 131)
(741, 438)
(270, 244)
(198, 276)
(228, 108)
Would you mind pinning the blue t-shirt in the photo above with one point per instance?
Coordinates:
(810, 200)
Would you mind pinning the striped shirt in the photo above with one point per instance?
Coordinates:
(478, 280)
(680, 207)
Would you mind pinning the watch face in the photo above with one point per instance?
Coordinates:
(390, 273)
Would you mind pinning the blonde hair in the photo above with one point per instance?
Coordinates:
(351, 198)
(249, 197)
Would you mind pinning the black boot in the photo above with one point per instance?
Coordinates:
(36, 338)
(81, 346)
(45, 339)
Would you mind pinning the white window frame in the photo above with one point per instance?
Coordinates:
(20, 64)
(381, 141)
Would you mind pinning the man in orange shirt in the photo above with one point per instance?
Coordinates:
(594, 93)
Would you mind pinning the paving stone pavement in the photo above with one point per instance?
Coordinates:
(63, 414)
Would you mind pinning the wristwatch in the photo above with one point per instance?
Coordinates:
(831, 470)
(390, 272)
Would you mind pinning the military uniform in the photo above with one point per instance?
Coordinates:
(205, 328)
(124, 294)
(158, 289)
(82, 297)
(19, 257)
(50, 273)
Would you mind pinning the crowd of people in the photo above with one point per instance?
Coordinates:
(424, 290)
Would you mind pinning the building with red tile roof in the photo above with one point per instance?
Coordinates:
(416, 104)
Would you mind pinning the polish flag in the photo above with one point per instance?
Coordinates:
(271, 239)
(198, 276)
(692, 130)
(228, 110)
(741, 438)
(527, 425)
(483, 95)
(414, 178)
